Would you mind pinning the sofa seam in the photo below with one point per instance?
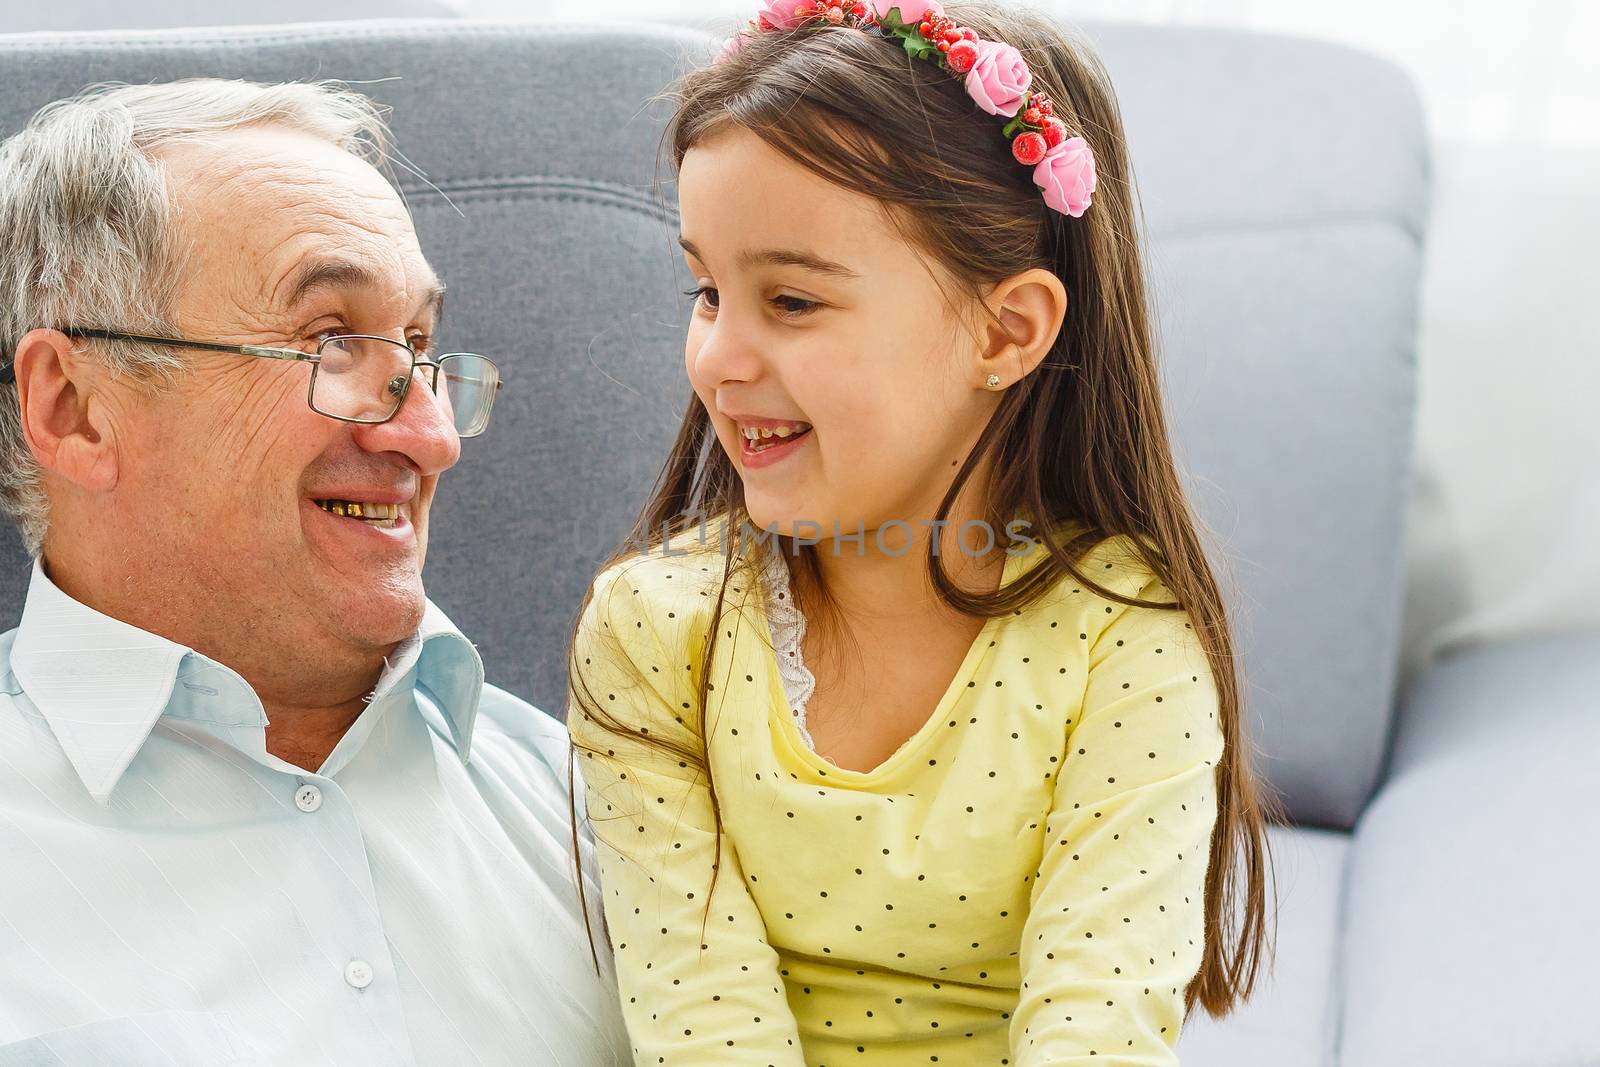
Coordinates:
(502, 180)
(1333, 1050)
(1330, 222)
(631, 194)
(514, 196)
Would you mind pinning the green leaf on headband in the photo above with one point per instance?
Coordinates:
(892, 21)
(918, 46)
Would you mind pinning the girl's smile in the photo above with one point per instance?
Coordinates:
(767, 441)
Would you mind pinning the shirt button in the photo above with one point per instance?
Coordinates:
(358, 973)
(308, 798)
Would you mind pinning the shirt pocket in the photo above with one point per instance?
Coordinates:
(150, 1039)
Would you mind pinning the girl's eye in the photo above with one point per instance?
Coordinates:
(704, 295)
(789, 306)
(794, 306)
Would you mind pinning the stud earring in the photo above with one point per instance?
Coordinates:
(993, 381)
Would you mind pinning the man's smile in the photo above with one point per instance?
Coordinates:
(370, 511)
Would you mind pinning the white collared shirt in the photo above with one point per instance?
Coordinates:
(170, 892)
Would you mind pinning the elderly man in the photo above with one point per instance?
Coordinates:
(256, 803)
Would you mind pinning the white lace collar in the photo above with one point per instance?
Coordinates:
(788, 626)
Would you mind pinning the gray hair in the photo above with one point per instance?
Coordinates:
(86, 223)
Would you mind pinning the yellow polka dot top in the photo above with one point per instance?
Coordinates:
(1021, 883)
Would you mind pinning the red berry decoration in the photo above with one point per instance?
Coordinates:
(1043, 103)
(1028, 148)
(1033, 116)
(961, 57)
(968, 33)
(936, 28)
(943, 46)
(1055, 131)
(835, 15)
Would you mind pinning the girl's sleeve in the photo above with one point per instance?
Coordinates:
(700, 987)
(1116, 926)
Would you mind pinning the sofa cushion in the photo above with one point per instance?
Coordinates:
(1473, 929)
(1285, 188)
(1291, 1019)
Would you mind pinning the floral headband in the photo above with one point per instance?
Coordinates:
(994, 75)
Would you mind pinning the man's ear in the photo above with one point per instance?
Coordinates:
(64, 419)
(1027, 311)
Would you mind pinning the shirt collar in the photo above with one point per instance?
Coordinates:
(448, 669)
(102, 684)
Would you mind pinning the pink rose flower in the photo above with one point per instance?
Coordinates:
(1066, 174)
(779, 14)
(917, 9)
(729, 47)
(999, 78)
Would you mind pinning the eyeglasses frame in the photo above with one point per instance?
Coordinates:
(8, 373)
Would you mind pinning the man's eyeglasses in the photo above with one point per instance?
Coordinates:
(360, 377)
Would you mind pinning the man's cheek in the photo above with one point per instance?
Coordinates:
(425, 490)
(420, 514)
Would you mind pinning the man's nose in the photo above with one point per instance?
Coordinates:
(422, 429)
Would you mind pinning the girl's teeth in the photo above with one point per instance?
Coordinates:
(762, 433)
(761, 438)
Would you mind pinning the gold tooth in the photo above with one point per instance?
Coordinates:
(354, 510)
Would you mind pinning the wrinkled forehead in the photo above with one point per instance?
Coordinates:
(266, 216)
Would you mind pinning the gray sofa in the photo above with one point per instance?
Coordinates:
(1437, 889)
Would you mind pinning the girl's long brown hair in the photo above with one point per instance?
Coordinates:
(1082, 442)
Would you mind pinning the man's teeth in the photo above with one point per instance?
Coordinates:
(356, 509)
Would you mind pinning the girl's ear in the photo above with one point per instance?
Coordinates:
(1027, 311)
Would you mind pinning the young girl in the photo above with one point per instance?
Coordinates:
(949, 769)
